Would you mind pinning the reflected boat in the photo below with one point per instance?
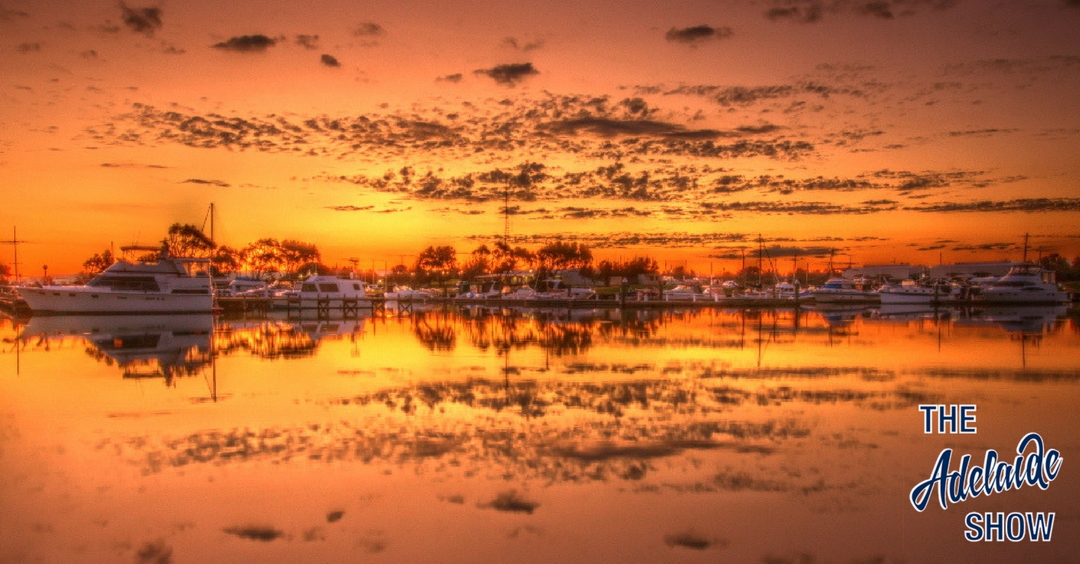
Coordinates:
(1021, 319)
(143, 346)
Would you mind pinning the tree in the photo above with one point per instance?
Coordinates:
(263, 255)
(186, 240)
(5, 270)
(479, 263)
(563, 256)
(437, 262)
(294, 254)
(98, 263)
(226, 259)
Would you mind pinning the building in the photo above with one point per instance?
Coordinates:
(892, 271)
(972, 269)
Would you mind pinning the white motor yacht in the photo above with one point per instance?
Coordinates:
(166, 285)
(330, 291)
(845, 291)
(932, 293)
(1026, 284)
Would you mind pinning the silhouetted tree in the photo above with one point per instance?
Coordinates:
(439, 263)
(98, 263)
(186, 240)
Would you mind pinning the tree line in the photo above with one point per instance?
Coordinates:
(292, 259)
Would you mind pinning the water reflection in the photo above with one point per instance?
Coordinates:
(141, 346)
(540, 432)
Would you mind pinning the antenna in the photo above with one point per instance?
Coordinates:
(506, 213)
(14, 242)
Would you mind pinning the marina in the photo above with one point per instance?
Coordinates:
(525, 430)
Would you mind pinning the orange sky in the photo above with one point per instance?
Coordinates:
(889, 131)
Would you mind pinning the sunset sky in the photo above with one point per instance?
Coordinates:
(891, 130)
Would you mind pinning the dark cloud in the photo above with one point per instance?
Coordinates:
(464, 132)
(368, 29)
(141, 20)
(10, 14)
(351, 208)
(170, 49)
(810, 13)
(523, 46)
(813, 11)
(698, 34)
(747, 95)
(612, 127)
(1071, 3)
(308, 41)
(247, 44)
(454, 78)
(509, 74)
(131, 165)
(1031, 205)
(879, 9)
(28, 47)
(801, 208)
(329, 60)
(985, 247)
(776, 251)
(218, 183)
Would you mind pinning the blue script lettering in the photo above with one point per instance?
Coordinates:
(1037, 468)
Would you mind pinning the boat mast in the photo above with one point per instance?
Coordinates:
(14, 242)
(15, 247)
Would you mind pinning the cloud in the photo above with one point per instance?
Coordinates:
(247, 44)
(454, 78)
(29, 47)
(523, 46)
(810, 13)
(141, 20)
(509, 74)
(10, 14)
(218, 183)
(368, 29)
(813, 11)
(308, 41)
(329, 60)
(1030, 205)
(698, 34)
(350, 208)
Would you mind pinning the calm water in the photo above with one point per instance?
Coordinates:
(525, 436)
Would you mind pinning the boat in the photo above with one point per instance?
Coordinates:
(686, 293)
(163, 285)
(245, 286)
(933, 292)
(1027, 283)
(406, 294)
(327, 291)
(781, 291)
(845, 291)
(557, 290)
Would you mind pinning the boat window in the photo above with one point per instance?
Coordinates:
(355, 286)
(308, 288)
(126, 283)
(328, 287)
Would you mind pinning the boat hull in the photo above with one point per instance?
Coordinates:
(857, 297)
(60, 300)
(1020, 296)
